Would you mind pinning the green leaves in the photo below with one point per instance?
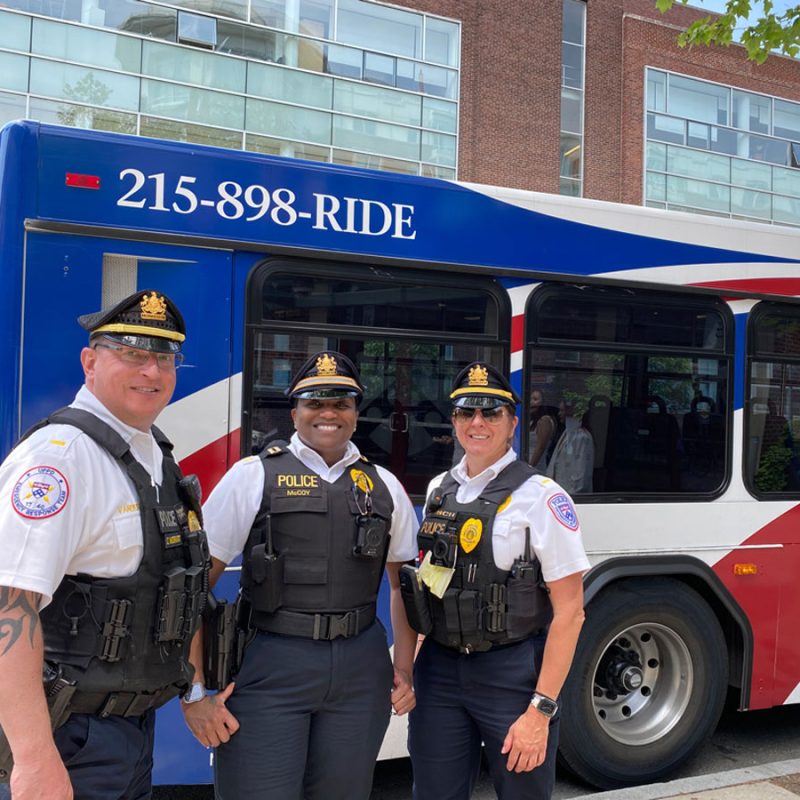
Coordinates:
(770, 32)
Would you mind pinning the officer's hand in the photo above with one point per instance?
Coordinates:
(526, 741)
(46, 776)
(209, 719)
(403, 697)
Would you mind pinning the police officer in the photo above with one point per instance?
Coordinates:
(101, 546)
(315, 523)
(494, 534)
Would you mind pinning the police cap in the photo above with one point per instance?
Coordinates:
(326, 375)
(147, 320)
(480, 385)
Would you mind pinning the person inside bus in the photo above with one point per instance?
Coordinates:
(544, 429)
(311, 702)
(572, 462)
(92, 494)
(492, 528)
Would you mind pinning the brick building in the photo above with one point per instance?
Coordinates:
(583, 97)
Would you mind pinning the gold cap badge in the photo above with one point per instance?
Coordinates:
(326, 365)
(479, 376)
(153, 307)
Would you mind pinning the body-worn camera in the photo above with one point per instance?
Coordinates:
(370, 535)
(443, 551)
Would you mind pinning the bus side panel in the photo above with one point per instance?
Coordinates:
(772, 604)
(17, 190)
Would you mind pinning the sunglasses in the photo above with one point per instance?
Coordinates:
(132, 357)
(490, 415)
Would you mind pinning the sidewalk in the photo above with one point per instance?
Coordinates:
(779, 780)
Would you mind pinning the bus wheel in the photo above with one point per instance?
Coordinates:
(647, 684)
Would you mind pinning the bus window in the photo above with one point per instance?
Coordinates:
(635, 388)
(772, 454)
(409, 335)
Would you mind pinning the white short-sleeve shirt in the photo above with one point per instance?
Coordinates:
(540, 504)
(66, 506)
(232, 507)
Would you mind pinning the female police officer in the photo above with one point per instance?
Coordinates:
(492, 529)
(315, 523)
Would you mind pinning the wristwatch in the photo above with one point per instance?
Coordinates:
(197, 691)
(544, 705)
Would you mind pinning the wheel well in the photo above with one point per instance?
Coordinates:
(700, 577)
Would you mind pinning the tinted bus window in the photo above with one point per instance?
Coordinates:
(408, 334)
(772, 428)
(628, 391)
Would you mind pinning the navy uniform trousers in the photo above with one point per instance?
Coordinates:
(107, 759)
(312, 714)
(463, 700)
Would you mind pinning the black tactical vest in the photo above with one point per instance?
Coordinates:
(331, 539)
(484, 605)
(128, 637)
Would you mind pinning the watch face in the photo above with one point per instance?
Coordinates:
(545, 705)
(195, 693)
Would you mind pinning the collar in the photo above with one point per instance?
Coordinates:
(86, 401)
(313, 460)
(459, 472)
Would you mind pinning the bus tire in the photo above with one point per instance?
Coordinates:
(647, 685)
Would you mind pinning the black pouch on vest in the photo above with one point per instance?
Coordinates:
(469, 611)
(415, 601)
(267, 573)
(529, 608)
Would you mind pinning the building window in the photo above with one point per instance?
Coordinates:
(572, 81)
(727, 152)
(269, 75)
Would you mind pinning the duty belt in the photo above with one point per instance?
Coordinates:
(121, 704)
(316, 626)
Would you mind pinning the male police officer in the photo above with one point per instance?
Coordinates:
(315, 523)
(104, 568)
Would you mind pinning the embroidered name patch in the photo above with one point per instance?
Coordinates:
(563, 511)
(40, 493)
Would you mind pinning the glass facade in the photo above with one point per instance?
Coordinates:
(719, 150)
(572, 83)
(344, 81)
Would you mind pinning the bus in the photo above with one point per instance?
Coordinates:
(671, 340)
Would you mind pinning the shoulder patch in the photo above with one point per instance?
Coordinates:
(39, 493)
(563, 511)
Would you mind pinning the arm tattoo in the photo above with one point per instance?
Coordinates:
(11, 624)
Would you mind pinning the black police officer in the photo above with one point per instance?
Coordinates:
(315, 522)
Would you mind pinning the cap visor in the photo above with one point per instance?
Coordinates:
(155, 344)
(480, 401)
(325, 394)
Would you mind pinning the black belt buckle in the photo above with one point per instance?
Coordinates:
(339, 625)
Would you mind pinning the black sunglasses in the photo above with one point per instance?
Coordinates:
(493, 415)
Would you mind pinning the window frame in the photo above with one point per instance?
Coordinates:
(762, 309)
(628, 295)
(358, 268)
